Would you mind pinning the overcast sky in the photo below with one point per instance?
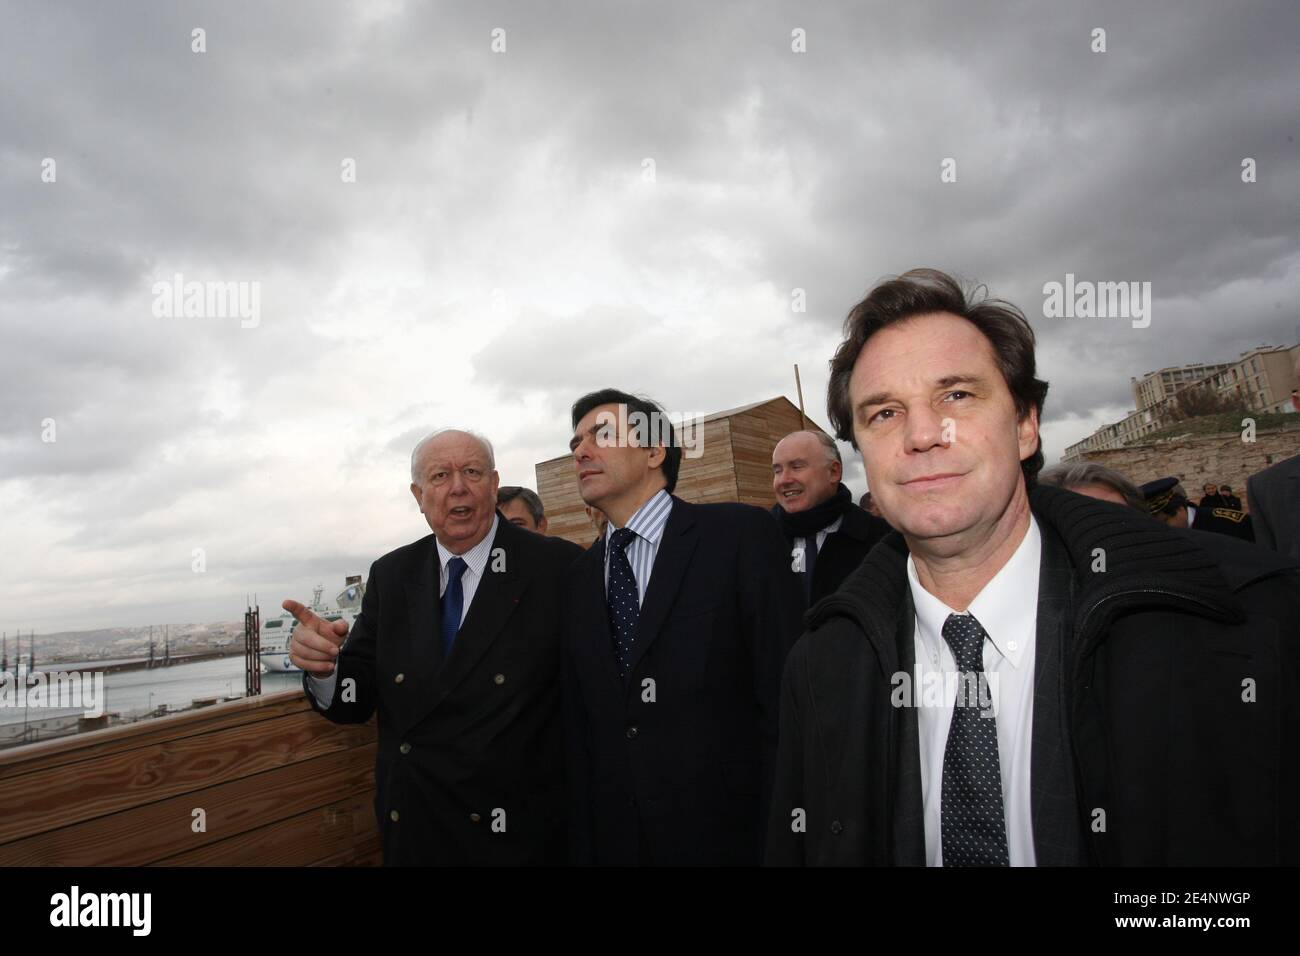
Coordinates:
(503, 249)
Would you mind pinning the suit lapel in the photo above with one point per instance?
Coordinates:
(675, 549)
(1291, 491)
(422, 654)
(1052, 804)
(909, 810)
(596, 611)
(495, 600)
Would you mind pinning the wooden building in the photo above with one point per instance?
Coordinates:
(736, 465)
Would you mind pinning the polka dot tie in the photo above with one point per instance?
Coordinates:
(971, 817)
(622, 598)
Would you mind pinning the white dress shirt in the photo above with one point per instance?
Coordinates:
(799, 543)
(648, 523)
(476, 559)
(1007, 608)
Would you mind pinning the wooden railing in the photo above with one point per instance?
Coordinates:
(277, 784)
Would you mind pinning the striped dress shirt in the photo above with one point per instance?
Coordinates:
(648, 524)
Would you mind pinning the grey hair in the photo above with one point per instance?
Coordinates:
(1073, 474)
(508, 493)
(832, 449)
(826, 441)
(419, 446)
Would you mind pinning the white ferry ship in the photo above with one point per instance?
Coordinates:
(275, 633)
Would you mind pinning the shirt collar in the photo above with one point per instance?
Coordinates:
(649, 520)
(476, 557)
(999, 607)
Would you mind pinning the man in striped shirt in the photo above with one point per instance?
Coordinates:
(678, 621)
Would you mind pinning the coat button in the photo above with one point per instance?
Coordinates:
(474, 818)
(836, 827)
(399, 678)
(499, 679)
(392, 815)
(405, 748)
(632, 732)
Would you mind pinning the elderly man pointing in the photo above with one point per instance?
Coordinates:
(457, 649)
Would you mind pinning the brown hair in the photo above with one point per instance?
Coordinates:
(925, 291)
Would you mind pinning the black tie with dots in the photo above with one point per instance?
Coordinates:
(971, 818)
(621, 597)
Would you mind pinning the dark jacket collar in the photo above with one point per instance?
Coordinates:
(1145, 563)
(862, 525)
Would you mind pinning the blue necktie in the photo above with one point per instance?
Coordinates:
(453, 601)
(622, 598)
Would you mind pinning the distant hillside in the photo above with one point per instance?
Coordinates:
(127, 642)
(1218, 424)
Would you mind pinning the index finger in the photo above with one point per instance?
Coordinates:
(302, 613)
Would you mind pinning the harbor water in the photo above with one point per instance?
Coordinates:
(133, 693)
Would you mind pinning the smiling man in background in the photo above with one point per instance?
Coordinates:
(827, 534)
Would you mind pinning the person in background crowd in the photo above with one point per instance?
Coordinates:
(1228, 498)
(1103, 656)
(1210, 499)
(868, 504)
(1166, 500)
(1274, 496)
(597, 519)
(679, 621)
(1095, 481)
(827, 535)
(523, 507)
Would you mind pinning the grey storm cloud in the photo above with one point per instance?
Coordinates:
(522, 173)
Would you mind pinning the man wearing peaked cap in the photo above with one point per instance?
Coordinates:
(1167, 501)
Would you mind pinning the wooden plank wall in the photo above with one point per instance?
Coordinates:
(280, 785)
(710, 477)
(736, 466)
(754, 434)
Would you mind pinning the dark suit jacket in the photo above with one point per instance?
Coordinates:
(473, 743)
(842, 551)
(672, 766)
(1274, 496)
